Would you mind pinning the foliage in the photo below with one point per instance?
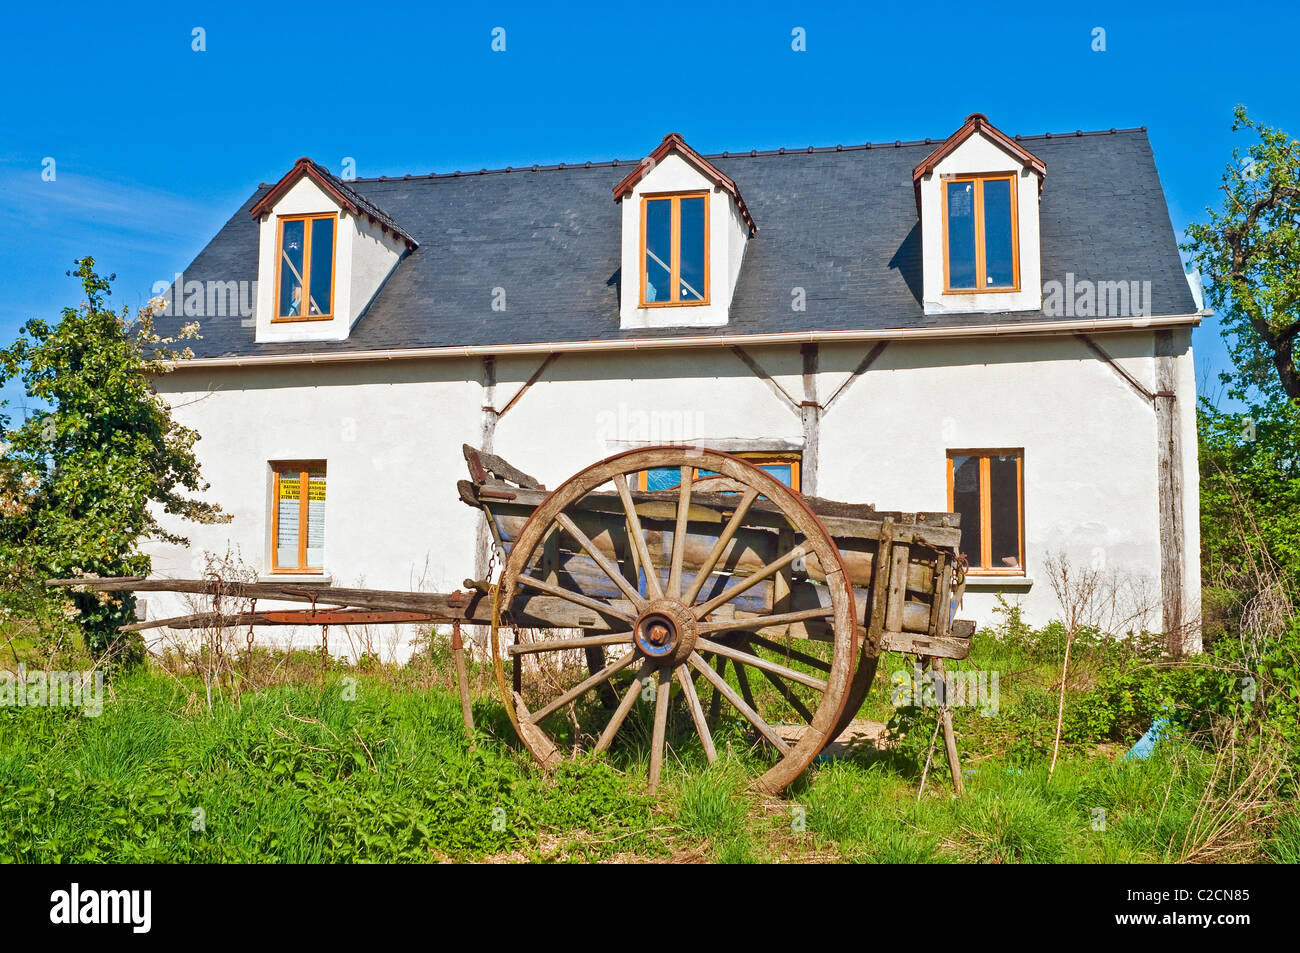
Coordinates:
(79, 484)
(1250, 492)
(1250, 251)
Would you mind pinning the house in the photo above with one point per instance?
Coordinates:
(998, 325)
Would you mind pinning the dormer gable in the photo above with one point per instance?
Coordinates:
(324, 251)
(977, 196)
(685, 227)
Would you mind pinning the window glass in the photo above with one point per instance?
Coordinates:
(316, 519)
(1004, 512)
(322, 265)
(299, 530)
(667, 478)
(292, 252)
(691, 261)
(662, 478)
(658, 249)
(999, 267)
(966, 501)
(287, 523)
(961, 234)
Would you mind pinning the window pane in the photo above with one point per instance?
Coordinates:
(316, 520)
(286, 537)
(663, 478)
(322, 265)
(691, 262)
(998, 265)
(1004, 507)
(658, 249)
(779, 470)
(966, 501)
(291, 248)
(961, 234)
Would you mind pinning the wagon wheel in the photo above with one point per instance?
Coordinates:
(668, 621)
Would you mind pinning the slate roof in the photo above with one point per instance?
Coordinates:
(839, 222)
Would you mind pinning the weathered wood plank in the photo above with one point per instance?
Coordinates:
(849, 520)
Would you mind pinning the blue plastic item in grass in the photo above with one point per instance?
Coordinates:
(1147, 743)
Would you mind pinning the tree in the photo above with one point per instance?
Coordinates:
(1250, 251)
(1250, 460)
(80, 485)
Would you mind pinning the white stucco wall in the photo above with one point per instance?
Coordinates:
(391, 435)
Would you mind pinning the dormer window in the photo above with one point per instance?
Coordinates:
(305, 286)
(675, 249)
(684, 232)
(981, 251)
(977, 197)
(323, 252)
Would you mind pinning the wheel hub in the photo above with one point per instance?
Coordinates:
(665, 631)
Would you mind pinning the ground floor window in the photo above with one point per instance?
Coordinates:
(298, 516)
(987, 487)
(783, 466)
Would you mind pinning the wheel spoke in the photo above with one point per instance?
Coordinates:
(715, 699)
(663, 689)
(582, 687)
(788, 694)
(729, 693)
(749, 582)
(606, 566)
(790, 654)
(747, 658)
(638, 537)
(747, 693)
(765, 621)
(706, 568)
(604, 608)
(697, 712)
(624, 707)
(679, 534)
(559, 645)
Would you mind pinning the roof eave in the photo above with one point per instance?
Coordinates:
(1018, 329)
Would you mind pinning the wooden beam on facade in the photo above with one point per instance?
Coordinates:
(1169, 456)
(863, 366)
(1118, 368)
(810, 413)
(550, 358)
(757, 368)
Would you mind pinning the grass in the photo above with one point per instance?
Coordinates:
(374, 766)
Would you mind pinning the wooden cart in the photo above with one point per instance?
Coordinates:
(677, 599)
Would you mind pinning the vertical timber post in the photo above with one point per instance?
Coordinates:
(462, 678)
(810, 412)
(1169, 463)
(487, 437)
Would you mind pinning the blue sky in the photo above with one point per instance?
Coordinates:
(155, 144)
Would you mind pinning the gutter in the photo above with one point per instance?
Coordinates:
(1083, 326)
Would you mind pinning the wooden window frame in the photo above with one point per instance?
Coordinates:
(305, 468)
(986, 508)
(276, 317)
(980, 263)
(675, 232)
(756, 458)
